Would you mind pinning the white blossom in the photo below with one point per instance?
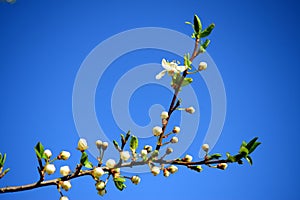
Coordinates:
(48, 153)
(176, 129)
(222, 166)
(202, 66)
(102, 192)
(65, 155)
(66, 185)
(155, 170)
(100, 185)
(110, 163)
(148, 148)
(65, 170)
(50, 169)
(169, 150)
(157, 130)
(99, 144)
(188, 158)
(104, 145)
(82, 145)
(63, 198)
(190, 110)
(166, 173)
(174, 140)
(205, 147)
(170, 67)
(98, 172)
(164, 115)
(125, 155)
(172, 169)
(144, 152)
(135, 180)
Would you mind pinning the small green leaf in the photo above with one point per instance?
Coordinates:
(85, 161)
(206, 32)
(2, 159)
(243, 151)
(249, 159)
(122, 139)
(256, 144)
(6, 171)
(205, 44)
(134, 143)
(116, 145)
(119, 183)
(244, 144)
(197, 25)
(39, 150)
(240, 162)
(215, 156)
(187, 61)
(197, 168)
(88, 165)
(249, 145)
(186, 81)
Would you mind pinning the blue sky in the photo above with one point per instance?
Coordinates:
(254, 44)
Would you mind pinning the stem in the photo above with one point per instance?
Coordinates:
(172, 108)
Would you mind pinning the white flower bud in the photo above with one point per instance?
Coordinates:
(166, 173)
(125, 155)
(110, 163)
(155, 170)
(164, 115)
(144, 152)
(104, 145)
(100, 185)
(66, 185)
(65, 155)
(148, 148)
(188, 158)
(63, 198)
(173, 169)
(174, 140)
(82, 145)
(205, 147)
(190, 110)
(98, 172)
(222, 166)
(202, 66)
(65, 170)
(176, 129)
(99, 144)
(102, 192)
(50, 169)
(48, 153)
(157, 131)
(135, 180)
(169, 150)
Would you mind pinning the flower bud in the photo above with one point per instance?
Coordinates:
(176, 129)
(66, 185)
(82, 145)
(144, 152)
(202, 66)
(174, 140)
(190, 110)
(157, 131)
(205, 147)
(50, 169)
(166, 173)
(148, 148)
(48, 153)
(135, 180)
(102, 192)
(125, 155)
(104, 145)
(173, 169)
(155, 170)
(100, 185)
(169, 150)
(222, 166)
(99, 144)
(65, 170)
(164, 115)
(110, 163)
(63, 198)
(188, 158)
(97, 172)
(65, 155)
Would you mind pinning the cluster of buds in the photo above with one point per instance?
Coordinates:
(100, 187)
(101, 145)
(170, 170)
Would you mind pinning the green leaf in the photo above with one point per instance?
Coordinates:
(85, 161)
(39, 150)
(122, 139)
(116, 145)
(187, 61)
(134, 143)
(197, 25)
(249, 159)
(6, 171)
(119, 183)
(243, 151)
(189, 23)
(249, 145)
(186, 81)
(244, 144)
(154, 154)
(206, 32)
(205, 44)
(197, 168)
(256, 144)
(2, 159)
(215, 156)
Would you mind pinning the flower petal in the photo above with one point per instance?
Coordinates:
(161, 74)
(166, 64)
(181, 68)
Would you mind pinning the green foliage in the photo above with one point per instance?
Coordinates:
(119, 183)
(116, 145)
(187, 61)
(85, 161)
(214, 156)
(206, 32)
(186, 81)
(39, 150)
(2, 159)
(196, 168)
(134, 143)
